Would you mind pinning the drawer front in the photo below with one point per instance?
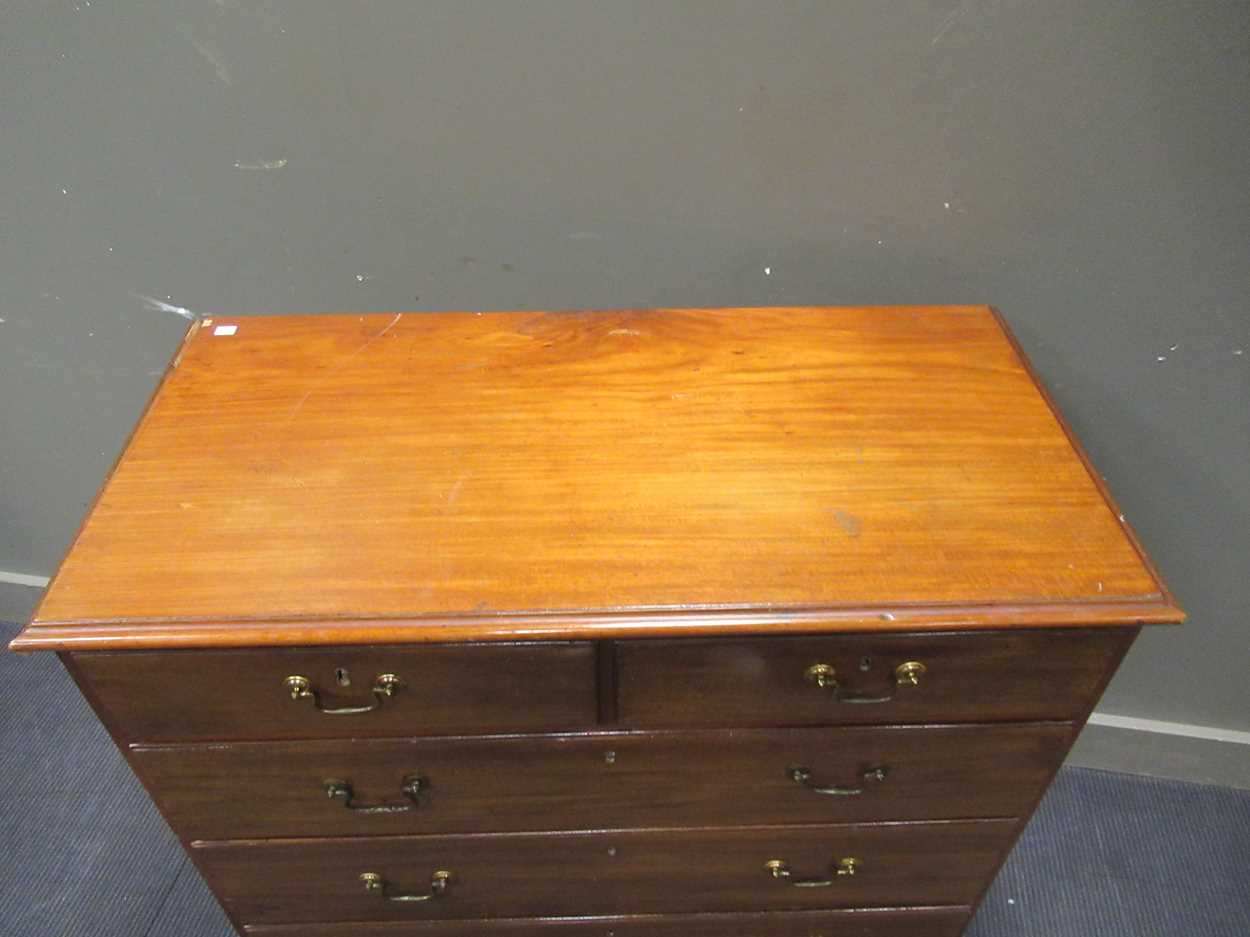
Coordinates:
(600, 780)
(192, 695)
(925, 922)
(859, 678)
(570, 874)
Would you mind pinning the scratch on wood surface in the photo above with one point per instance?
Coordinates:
(454, 493)
(298, 406)
(339, 366)
(848, 522)
(390, 325)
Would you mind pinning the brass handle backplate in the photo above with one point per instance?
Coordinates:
(802, 776)
(375, 884)
(410, 787)
(385, 685)
(779, 869)
(825, 677)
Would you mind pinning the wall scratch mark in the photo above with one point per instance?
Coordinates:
(264, 165)
(156, 305)
(949, 22)
(211, 58)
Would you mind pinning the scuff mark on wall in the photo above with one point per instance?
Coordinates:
(211, 58)
(263, 165)
(949, 21)
(157, 305)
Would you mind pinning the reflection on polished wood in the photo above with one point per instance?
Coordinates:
(388, 478)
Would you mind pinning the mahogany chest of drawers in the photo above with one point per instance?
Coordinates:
(711, 623)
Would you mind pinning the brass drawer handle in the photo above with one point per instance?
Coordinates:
(780, 870)
(410, 787)
(825, 677)
(377, 885)
(385, 685)
(803, 778)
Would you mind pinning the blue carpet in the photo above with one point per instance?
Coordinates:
(86, 855)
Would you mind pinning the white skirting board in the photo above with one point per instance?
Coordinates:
(19, 592)
(17, 599)
(24, 579)
(1204, 754)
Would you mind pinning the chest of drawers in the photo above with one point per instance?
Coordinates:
(719, 623)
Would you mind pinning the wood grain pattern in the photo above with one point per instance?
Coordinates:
(619, 872)
(860, 922)
(601, 780)
(157, 696)
(1044, 674)
(363, 479)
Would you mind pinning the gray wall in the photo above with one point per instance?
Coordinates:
(1084, 166)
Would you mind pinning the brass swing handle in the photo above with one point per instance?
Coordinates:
(803, 778)
(825, 677)
(410, 787)
(780, 870)
(385, 685)
(375, 884)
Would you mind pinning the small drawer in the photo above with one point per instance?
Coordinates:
(866, 678)
(861, 922)
(340, 692)
(610, 873)
(253, 790)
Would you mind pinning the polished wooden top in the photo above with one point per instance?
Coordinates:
(460, 476)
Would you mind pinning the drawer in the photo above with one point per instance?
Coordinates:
(856, 678)
(190, 695)
(860, 922)
(635, 872)
(600, 780)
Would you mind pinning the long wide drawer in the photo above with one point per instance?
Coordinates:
(341, 692)
(600, 780)
(865, 678)
(634, 872)
(859, 922)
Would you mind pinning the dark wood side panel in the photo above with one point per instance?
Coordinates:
(632, 872)
(1130, 635)
(601, 780)
(218, 695)
(918, 922)
(1021, 675)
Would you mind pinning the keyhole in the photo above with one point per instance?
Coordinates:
(865, 663)
(342, 677)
